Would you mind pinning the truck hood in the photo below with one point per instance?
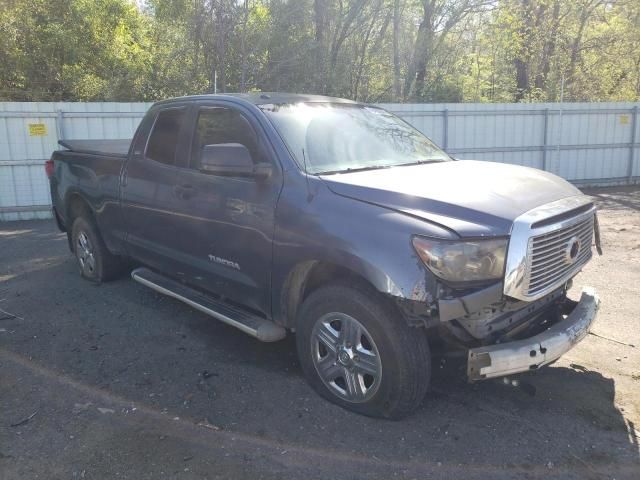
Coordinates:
(472, 198)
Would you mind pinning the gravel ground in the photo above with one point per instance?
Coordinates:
(117, 381)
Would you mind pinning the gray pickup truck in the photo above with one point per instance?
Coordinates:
(340, 222)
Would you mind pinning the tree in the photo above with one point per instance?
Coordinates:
(369, 50)
(439, 18)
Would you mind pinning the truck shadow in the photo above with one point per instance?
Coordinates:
(621, 198)
(570, 410)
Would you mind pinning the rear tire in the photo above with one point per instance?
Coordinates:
(358, 353)
(95, 261)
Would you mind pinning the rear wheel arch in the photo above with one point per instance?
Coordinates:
(58, 219)
(76, 206)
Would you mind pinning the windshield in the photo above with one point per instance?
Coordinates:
(335, 138)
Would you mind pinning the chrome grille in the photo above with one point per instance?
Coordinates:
(556, 254)
(538, 244)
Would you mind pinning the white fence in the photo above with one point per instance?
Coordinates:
(586, 143)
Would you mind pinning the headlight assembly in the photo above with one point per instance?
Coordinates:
(463, 261)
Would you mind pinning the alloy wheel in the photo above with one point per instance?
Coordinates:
(346, 357)
(85, 255)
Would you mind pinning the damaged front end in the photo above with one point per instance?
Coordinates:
(527, 321)
(507, 336)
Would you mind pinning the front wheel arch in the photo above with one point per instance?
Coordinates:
(308, 276)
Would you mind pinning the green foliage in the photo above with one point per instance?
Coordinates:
(370, 50)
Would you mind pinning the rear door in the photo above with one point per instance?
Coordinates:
(149, 188)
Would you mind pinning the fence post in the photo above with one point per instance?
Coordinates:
(59, 124)
(445, 129)
(632, 148)
(544, 138)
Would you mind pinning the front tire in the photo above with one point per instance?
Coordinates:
(357, 352)
(94, 260)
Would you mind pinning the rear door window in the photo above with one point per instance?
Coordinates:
(163, 141)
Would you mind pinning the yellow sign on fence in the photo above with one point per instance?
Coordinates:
(37, 129)
(624, 119)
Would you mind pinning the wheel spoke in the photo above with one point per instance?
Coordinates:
(349, 332)
(366, 363)
(84, 252)
(86, 269)
(355, 388)
(91, 262)
(82, 239)
(328, 370)
(328, 336)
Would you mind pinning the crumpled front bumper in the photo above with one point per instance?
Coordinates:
(531, 353)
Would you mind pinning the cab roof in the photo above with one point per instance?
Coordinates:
(262, 98)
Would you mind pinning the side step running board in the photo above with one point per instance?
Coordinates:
(260, 328)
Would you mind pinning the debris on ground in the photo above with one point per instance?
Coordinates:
(81, 407)
(613, 340)
(206, 424)
(24, 420)
(9, 315)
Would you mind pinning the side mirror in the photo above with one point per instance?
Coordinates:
(232, 159)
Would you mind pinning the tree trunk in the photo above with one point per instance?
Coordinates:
(521, 62)
(320, 16)
(548, 50)
(342, 33)
(223, 25)
(585, 15)
(197, 38)
(243, 48)
(414, 85)
(363, 51)
(522, 79)
(397, 89)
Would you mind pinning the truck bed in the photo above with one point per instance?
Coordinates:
(110, 148)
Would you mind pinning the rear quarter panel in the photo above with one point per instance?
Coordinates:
(95, 179)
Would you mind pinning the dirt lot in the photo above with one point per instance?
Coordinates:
(117, 381)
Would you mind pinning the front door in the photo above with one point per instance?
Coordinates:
(228, 221)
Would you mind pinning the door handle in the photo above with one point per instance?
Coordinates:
(184, 191)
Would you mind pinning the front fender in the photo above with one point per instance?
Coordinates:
(315, 225)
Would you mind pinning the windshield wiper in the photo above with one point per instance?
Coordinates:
(419, 162)
(351, 170)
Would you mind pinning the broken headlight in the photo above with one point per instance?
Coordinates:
(463, 261)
